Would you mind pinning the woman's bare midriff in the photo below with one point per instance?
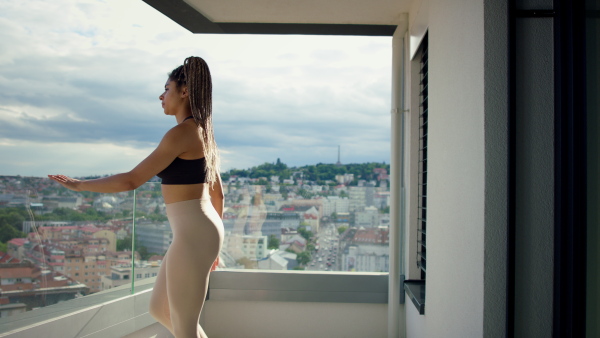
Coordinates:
(183, 192)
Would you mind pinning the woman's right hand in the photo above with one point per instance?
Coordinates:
(67, 182)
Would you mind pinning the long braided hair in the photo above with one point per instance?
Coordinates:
(194, 74)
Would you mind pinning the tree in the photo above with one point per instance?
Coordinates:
(303, 258)
(8, 232)
(342, 229)
(284, 192)
(273, 242)
(305, 233)
(262, 181)
(143, 251)
(305, 193)
(124, 244)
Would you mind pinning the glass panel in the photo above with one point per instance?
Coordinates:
(321, 218)
(153, 235)
(593, 207)
(278, 225)
(61, 245)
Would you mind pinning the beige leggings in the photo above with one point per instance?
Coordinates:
(182, 282)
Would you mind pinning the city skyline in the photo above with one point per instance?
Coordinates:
(79, 86)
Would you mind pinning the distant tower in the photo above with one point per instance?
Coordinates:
(338, 162)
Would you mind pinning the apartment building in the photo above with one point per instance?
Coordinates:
(156, 237)
(122, 274)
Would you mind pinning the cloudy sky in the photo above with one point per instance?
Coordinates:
(80, 80)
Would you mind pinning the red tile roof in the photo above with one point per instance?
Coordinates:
(372, 235)
(18, 241)
(6, 258)
(17, 272)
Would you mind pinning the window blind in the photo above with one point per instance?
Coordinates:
(422, 170)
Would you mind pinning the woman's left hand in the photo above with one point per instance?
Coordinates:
(67, 182)
(215, 264)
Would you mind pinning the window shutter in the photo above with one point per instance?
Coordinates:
(422, 172)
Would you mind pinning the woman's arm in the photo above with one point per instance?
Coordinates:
(171, 146)
(217, 197)
(114, 183)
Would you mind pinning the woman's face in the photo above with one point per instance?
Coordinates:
(172, 98)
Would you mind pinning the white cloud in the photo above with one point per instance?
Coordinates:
(81, 73)
(73, 158)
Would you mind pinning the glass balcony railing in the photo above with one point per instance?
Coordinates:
(273, 226)
(65, 247)
(264, 229)
(78, 248)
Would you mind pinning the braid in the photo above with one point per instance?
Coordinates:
(195, 74)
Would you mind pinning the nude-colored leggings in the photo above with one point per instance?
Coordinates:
(182, 282)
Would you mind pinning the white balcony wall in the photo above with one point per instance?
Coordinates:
(467, 161)
(456, 180)
(293, 319)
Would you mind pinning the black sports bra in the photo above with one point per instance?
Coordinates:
(182, 171)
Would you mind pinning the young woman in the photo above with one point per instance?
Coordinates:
(187, 160)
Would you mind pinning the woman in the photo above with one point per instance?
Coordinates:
(187, 161)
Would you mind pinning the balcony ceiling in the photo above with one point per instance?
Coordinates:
(325, 17)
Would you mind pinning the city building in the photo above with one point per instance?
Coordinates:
(29, 225)
(369, 217)
(156, 237)
(274, 261)
(88, 268)
(70, 202)
(122, 274)
(335, 204)
(16, 247)
(365, 249)
(358, 198)
(26, 286)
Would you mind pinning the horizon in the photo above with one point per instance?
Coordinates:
(223, 171)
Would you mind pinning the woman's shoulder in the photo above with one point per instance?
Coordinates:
(182, 130)
(183, 135)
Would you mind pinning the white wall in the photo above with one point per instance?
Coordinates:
(250, 319)
(456, 194)
(456, 171)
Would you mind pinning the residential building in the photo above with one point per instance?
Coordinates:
(358, 198)
(156, 237)
(29, 225)
(365, 249)
(24, 284)
(369, 217)
(16, 247)
(335, 204)
(122, 274)
(273, 261)
(70, 202)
